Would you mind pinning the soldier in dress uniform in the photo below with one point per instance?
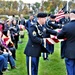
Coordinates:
(65, 19)
(51, 24)
(63, 22)
(34, 46)
(68, 32)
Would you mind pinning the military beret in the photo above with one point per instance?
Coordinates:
(52, 16)
(73, 11)
(42, 15)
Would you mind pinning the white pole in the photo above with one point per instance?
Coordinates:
(67, 5)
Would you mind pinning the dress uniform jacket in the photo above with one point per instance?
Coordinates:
(36, 35)
(63, 21)
(68, 32)
(52, 25)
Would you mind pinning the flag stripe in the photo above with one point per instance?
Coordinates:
(59, 15)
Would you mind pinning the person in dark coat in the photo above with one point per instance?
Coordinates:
(14, 31)
(34, 46)
(30, 22)
(22, 20)
(68, 32)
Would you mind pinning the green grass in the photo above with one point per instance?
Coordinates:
(55, 65)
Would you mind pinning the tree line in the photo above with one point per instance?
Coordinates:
(16, 8)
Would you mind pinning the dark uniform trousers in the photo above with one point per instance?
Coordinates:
(70, 65)
(31, 63)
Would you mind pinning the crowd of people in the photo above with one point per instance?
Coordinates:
(38, 29)
(9, 38)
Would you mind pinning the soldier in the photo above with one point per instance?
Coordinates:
(51, 24)
(65, 19)
(63, 22)
(68, 32)
(34, 46)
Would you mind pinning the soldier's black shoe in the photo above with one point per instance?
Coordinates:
(46, 59)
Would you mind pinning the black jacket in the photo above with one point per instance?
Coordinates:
(68, 32)
(36, 34)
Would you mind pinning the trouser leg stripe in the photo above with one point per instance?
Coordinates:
(45, 55)
(30, 66)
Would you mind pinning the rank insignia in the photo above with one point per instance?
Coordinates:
(34, 33)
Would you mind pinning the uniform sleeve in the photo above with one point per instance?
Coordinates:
(54, 26)
(62, 33)
(51, 31)
(34, 35)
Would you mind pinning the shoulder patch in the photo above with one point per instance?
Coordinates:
(34, 33)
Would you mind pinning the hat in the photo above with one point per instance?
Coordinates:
(41, 15)
(73, 11)
(52, 16)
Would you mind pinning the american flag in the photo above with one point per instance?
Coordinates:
(52, 40)
(49, 41)
(59, 15)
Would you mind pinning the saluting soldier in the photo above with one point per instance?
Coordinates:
(34, 46)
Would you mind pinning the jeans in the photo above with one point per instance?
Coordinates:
(9, 58)
(1, 62)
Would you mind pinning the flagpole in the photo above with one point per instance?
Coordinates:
(68, 5)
